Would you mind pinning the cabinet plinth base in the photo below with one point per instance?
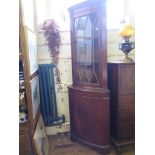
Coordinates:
(100, 149)
(120, 144)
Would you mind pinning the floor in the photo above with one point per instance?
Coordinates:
(62, 145)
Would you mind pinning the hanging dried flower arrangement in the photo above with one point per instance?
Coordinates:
(53, 40)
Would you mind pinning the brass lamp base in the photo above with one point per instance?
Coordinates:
(127, 59)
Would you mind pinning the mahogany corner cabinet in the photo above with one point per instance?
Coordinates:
(89, 95)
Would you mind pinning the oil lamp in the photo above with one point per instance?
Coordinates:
(126, 46)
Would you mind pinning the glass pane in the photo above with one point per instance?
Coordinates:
(75, 25)
(76, 22)
(88, 52)
(86, 49)
(88, 28)
(81, 51)
(80, 33)
(82, 22)
(95, 45)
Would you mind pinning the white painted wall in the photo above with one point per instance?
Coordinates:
(113, 53)
(64, 66)
(113, 40)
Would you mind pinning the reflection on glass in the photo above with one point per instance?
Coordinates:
(86, 38)
(82, 22)
(88, 28)
(81, 50)
(80, 33)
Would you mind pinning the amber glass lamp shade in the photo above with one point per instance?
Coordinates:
(126, 46)
(126, 31)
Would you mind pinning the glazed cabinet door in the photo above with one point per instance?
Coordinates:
(86, 51)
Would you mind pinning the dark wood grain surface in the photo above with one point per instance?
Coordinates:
(89, 102)
(121, 82)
